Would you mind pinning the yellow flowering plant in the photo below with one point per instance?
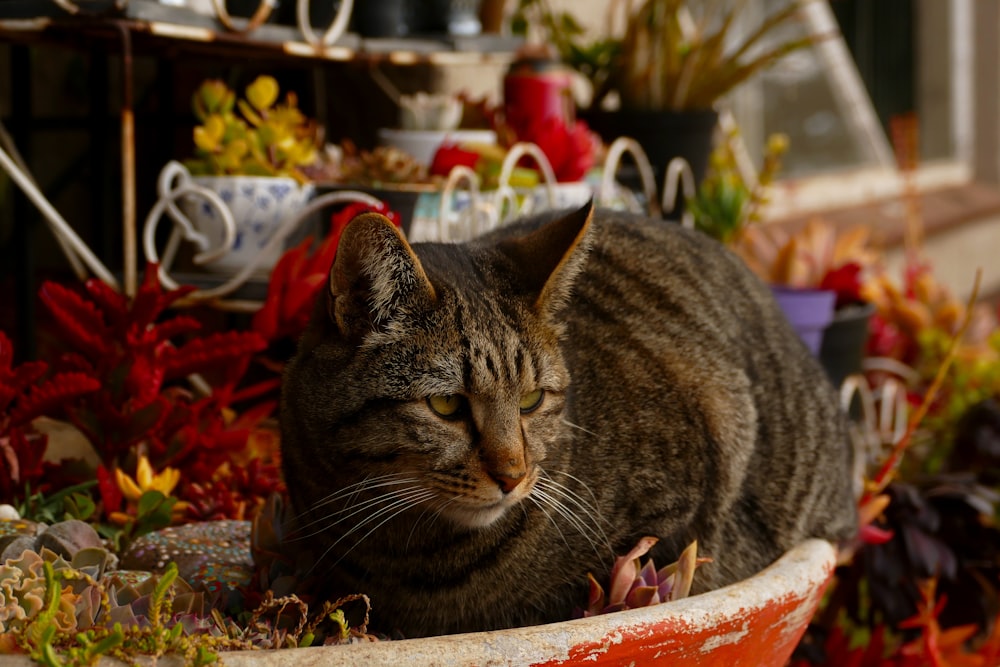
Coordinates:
(726, 202)
(148, 503)
(255, 136)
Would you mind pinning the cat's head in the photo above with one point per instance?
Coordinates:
(443, 378)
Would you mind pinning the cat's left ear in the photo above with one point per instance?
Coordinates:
(550, 258)
(376, 280)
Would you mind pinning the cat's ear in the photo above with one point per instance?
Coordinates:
(549, 258)
(376, 280)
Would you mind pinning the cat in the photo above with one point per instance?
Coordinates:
(469, 429)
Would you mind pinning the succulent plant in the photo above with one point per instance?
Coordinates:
(264, 139)
(817, 256)
(62, 610)
(23, 593)
(672, 56)
(635, 585)
(725, 202)
(380, 166)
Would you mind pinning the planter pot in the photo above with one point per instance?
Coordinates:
(758, 621)
(402, 199)
(423, 144)
(663, 135)
(844, 341)
(571, 194)
(258, 204)
(382, 18)
(809, 311)
(453, 17)
(491, 15)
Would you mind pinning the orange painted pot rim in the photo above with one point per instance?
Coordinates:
(758, 621)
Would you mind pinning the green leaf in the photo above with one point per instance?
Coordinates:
(150, 502)
(79, 506)
(105, 645)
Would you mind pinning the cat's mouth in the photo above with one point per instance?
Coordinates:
(481, 509)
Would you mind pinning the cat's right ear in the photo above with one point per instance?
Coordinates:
(376, 280)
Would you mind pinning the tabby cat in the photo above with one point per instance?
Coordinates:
(469, 429)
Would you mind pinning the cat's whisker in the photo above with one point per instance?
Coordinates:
(541, 507)
(550, 492)
(577, 426)
(429, 516)
(582, 507)
(364, 485)
(589, 508)
(571, 518)
(355, 509)
(351, 492)
(392, 510)
(593, 506)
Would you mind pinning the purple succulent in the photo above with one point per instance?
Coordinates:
(635, 585)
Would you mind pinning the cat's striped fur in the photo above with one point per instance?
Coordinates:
(677, 403)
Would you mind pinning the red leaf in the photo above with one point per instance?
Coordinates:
(144, 379)
(17, 381)
(255, 390)
(6, 352)
(176, 326)
(53, 394)
(150, 299)
(215, 350)
(80, 322)
(112, 303)
(874, 535)
(266, 320)
(845, 281)
(111, 495)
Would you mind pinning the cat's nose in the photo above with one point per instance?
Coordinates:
(508, 481)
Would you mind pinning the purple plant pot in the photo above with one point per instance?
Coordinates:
(809, 311)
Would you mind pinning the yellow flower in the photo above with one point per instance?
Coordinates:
(145, 480)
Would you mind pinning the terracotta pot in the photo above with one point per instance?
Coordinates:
(491, 15)
(757, 622)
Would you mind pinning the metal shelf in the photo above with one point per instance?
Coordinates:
(154, 25)
(130, 27)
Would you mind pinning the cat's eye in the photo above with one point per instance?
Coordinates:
(446, 405)
(531, 401)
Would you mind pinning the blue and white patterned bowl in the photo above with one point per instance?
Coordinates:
(258, 204)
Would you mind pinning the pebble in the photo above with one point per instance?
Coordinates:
(68, 537)
(213, 556)
(17, 536)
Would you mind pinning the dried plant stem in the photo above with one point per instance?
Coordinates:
(889, 466)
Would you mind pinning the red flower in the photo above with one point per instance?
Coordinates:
(449, 156)
(846, 282)
(570, 149)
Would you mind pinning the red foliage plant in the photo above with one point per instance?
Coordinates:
(28, 391)
(134, 356)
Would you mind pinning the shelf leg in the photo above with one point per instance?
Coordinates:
(129, 244)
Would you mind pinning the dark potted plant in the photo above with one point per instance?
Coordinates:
(668, 70)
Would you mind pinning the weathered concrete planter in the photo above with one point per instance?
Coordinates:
(756, 622)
